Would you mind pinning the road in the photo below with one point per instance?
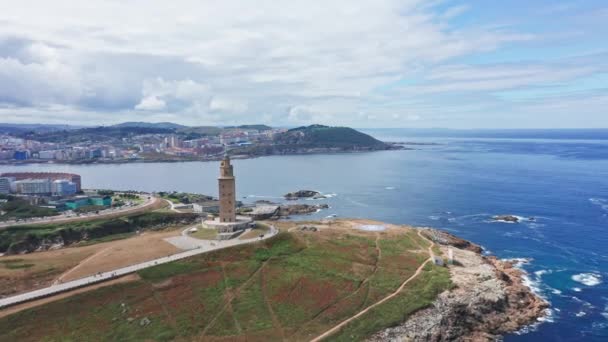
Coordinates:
(150, 201)
(203, 247)
(366, 310)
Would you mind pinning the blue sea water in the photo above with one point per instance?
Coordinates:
(457, 184)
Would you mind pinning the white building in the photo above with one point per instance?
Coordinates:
(34, 186)
(47, 154)
(7, 185)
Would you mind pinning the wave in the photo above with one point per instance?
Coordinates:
(589, 279)
(577, 289)
(262, 196)
(390, 188)
(600, 202)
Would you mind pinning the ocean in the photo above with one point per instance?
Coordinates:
(556, 181)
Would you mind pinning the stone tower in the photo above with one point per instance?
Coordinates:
(227, 191)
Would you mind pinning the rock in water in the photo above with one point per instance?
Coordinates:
(506, 218)
(303, 194)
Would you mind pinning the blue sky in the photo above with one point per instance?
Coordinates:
(389, 63)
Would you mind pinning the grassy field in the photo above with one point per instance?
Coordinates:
(204, 234)
(19, 273)
(295, 285)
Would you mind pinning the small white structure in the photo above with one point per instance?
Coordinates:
(193, 230)
(450, 256)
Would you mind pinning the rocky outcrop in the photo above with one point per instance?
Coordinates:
(273, 211)
(263, 212)
(303, 194)
(489, 300)
(300, 209)
(506, 218)
(446, 239)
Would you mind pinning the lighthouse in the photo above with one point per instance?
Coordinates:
(227, 189)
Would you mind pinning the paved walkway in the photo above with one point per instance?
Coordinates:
(203, 247)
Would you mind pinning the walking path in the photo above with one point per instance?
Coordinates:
(364, 311)
(202, 247)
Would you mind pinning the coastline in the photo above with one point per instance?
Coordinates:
(490, 298)
(392, 147)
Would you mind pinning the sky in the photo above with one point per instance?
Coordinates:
(377, 63)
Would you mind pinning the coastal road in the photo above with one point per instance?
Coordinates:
(364, 311)
(202, 247)
(150, 201)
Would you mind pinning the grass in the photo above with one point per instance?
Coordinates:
(307, 282)
(105, 239)
(204, 234)
(418, 294)
(15, 264)
(20, 209)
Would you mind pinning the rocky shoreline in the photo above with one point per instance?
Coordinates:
(489, 299)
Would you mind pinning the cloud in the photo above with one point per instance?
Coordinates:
(151, 103)
(223, 104)
(299, 61)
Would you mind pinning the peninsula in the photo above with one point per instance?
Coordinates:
(168, 142)
(331, 280)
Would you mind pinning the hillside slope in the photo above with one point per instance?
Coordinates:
(294, 286)
(325, 136)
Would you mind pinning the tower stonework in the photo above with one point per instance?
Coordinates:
(227, 190)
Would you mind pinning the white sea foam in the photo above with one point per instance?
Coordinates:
(540, 273)
(390, 188)
(556, 292)
(434, 217)
(577, 289)
(518, 262)
(580, 314)
(600, 202)
(548, 317)
(589, 279)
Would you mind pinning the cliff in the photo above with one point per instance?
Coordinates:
(489, 300)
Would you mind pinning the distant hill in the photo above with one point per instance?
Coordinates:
(328, 137)
(169, 125)
(94, 134)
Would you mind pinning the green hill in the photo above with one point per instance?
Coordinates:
(328, 137)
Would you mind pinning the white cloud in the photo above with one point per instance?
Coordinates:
(224, 104)
(228, 61)
(151, 103)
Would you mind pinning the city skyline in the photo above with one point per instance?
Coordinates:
(449, 64)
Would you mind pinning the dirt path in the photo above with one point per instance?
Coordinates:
(230, 298)
(392, 295)
(365, 281)
(66, 273)
(273, 315)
